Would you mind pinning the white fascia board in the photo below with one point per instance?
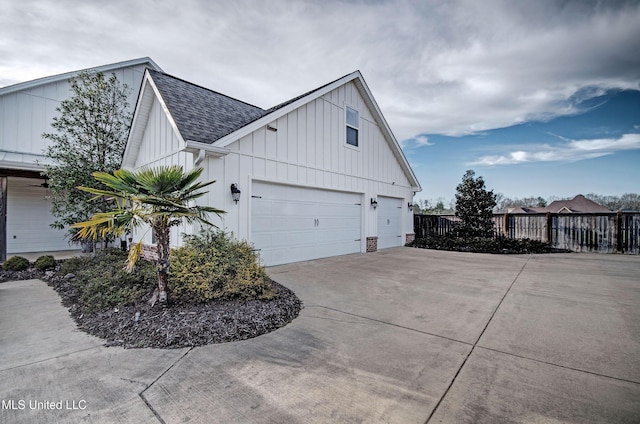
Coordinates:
(165, 109)
(21, 166)
(248, 129)
(208, 149)
(362, 85)
(24, 161)
(67, 75)
(140, 118)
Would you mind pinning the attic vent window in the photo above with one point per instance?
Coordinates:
(353, 121)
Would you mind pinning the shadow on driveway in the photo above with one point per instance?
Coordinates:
(401, 335)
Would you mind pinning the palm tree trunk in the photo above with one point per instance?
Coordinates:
(162, 242)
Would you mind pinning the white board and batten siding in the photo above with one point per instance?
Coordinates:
(162, 146)
(308, 151)
(28, 110)
(312, 190)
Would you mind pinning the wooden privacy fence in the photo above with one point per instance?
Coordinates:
(614, 232)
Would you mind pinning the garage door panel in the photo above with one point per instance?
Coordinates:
(338, 224)
(277, 239)
(286, 255)
(271, 207)
(283, 223)
(330, 210)
(29, 218)
(337, 235)
(290, 224)
(339, 248)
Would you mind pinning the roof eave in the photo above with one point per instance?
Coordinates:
(369, 99)
(148, 92)
(67, 75)
(199, 148)
(22, 166)
(24, 161)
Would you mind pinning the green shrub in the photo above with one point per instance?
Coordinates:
(16, 263)
(213, 265)
(498, 244)
(45, 262)
(101, 281)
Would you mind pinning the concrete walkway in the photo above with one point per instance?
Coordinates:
(398, 336)
(58, 254)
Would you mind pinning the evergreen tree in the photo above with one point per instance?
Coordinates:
(474, 207)
(541, 203)
(91, 134)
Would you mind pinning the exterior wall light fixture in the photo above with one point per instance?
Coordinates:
(374, 203)
(410, 206)
(235, 192)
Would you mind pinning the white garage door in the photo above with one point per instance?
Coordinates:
(389, 222)
(291, 224)
(28, 218)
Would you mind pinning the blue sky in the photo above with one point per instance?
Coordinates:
(595, 150)
(538, 97)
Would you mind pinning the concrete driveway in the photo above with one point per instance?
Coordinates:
(398, 336)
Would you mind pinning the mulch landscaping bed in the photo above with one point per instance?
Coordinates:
(178, 325)
(29, 274)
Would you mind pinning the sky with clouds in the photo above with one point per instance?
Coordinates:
(499, 86)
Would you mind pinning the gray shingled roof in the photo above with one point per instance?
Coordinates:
(578, 204)
(288, 102)
(201, 114)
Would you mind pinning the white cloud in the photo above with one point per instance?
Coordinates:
(626, 142)
(572, 151)
(411, 144)
(434, 67)
(422, 140)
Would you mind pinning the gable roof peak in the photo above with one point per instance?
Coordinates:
(205, 116)
(349, 76)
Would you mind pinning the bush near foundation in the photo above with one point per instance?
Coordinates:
(45, 262)
(16, 263)
(213, 265)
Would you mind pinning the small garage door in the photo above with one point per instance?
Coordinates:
(389, 222)
(291, 224)
(29, 218)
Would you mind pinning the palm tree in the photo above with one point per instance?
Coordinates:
(159, 198)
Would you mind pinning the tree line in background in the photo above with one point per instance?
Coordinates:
(440, 206)
(474, 229)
